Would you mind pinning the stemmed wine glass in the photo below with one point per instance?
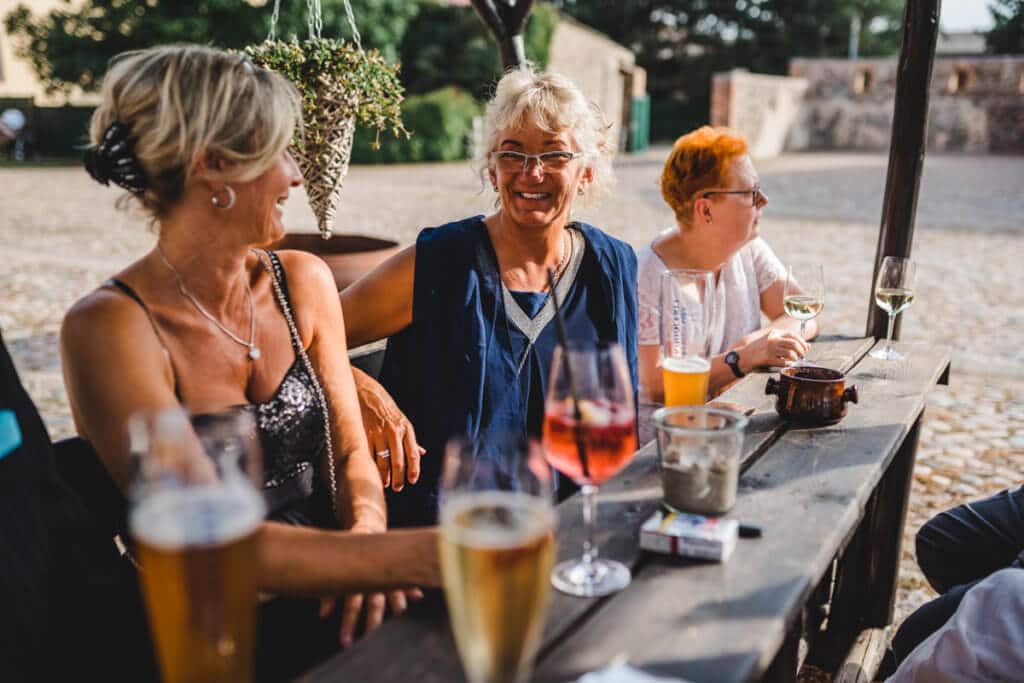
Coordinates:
(589, 435)
(497, 548)
(803, 296)
(894, 291)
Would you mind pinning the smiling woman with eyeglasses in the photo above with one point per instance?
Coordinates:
(714, 191)
(467, 308)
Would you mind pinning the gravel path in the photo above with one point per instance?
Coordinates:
(60, 236)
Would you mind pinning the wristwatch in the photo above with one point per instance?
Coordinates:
(732, 359)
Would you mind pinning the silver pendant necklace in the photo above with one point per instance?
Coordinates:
(254, 351)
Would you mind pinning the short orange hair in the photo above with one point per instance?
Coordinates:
(699, 161)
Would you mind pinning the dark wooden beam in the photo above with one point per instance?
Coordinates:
(506, 19)
(907, 147)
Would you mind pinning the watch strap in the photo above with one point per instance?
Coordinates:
(732, 359)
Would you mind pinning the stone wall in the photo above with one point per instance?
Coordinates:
(976, 105)
(763, 108)
(605, 71)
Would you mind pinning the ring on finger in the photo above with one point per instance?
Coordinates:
(384, 453)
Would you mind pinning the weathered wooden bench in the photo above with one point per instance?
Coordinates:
(822, 579)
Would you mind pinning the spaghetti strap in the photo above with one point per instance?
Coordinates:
(126, 289)
(276, 271)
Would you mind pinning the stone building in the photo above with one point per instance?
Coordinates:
(605, 71)
(976, 105)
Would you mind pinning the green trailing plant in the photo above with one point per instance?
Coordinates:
(372, 92)
(341, 86)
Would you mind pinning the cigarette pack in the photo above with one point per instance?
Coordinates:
(686, 535)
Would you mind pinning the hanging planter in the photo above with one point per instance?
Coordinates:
(341, 85)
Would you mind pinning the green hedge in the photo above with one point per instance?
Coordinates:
(440, 123)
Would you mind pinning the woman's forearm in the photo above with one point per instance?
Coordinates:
(361, 505)
(299, 560)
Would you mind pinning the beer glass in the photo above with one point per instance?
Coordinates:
(894, 291)
(589, 435)
(687, 326)
(194, 517)
(497, 548)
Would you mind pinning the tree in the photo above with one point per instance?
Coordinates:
(682, 43)
(73, 44)
(1007, 35)
(451, 46)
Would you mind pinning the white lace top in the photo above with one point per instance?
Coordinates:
(753, 269)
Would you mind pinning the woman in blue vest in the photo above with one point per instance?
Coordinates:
(467, 308)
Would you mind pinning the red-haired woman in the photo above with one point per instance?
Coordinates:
(714, 191)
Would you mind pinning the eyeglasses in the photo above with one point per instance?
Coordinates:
(756, 195)
(518, 162)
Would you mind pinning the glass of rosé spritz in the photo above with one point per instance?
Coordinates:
(589, 435)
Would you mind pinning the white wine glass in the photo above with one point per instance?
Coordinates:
(497, 550)
(803, 296)
(894, 292)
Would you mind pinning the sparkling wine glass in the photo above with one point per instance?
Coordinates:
(803, 296)
(589, 435)
(497, 548)
(894, 291)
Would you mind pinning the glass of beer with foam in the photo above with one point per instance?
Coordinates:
(194, 517)
(687, 328)
(497, 549)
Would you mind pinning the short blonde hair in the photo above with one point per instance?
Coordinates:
(553, 103)
(179, 102)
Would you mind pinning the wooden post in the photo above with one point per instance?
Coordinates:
(907, 146)
(506, 20)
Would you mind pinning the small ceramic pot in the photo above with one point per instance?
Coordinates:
(811, 395)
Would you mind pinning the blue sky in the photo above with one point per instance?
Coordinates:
(964, 15)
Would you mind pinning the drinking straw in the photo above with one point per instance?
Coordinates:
(563, 338)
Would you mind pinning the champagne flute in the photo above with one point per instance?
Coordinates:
(894, 291)
(497, 548)
(589, 435)
(687, 326)
(803, 296)
(195, 512)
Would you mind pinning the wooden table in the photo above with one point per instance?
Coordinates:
(832, 503)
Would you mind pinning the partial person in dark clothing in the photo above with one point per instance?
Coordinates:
(60, 574)
(958, 548)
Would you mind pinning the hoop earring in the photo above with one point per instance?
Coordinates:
(225, 205)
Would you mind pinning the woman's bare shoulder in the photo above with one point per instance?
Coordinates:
(308, 274)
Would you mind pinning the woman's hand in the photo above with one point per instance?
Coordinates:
(391, 435)
(376, 605)
(775, 347)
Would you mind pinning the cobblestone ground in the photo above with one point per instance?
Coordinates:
(60, 236)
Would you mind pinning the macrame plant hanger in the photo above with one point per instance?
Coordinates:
(324, 160)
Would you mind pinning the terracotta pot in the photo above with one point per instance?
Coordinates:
(349, 256)
(811, 395)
